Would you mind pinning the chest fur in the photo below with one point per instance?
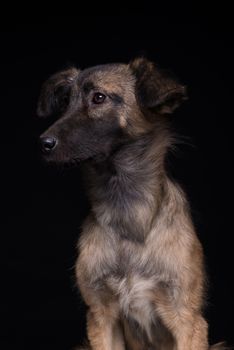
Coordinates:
(127, 269)
(128, 273)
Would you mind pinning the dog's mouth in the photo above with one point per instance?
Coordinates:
(56, 160)
(56, 152)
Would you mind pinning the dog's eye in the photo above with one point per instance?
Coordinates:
(98, 98)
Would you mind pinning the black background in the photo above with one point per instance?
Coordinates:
(43, 210)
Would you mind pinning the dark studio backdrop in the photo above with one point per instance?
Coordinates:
(42, 210)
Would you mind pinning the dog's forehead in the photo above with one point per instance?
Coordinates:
(115, 77)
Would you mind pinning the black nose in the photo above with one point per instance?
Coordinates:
(47, 143)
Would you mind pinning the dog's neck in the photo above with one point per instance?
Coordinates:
(126, 190)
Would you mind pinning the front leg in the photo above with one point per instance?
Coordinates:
(188, 327)
(104, 332)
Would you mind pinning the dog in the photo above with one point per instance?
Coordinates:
(140, 266)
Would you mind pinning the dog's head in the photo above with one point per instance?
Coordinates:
(101, 108)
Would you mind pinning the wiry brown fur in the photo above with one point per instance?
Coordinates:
(140, 265)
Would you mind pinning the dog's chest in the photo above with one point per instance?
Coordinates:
(135, 298)
(133, 290)
(123, 272)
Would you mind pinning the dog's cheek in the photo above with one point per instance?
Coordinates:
(96, 138)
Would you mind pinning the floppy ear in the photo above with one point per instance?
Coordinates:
(154, 89)
(56, 92)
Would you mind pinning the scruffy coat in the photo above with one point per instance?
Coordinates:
(140, 265)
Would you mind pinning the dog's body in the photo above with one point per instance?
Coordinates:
(140, 264)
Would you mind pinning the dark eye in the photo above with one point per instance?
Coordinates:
(98, 98)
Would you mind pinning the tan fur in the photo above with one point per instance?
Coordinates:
(176, 251)
(140, 265)
(161, 287)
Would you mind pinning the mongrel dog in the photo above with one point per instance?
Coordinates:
(140, 265)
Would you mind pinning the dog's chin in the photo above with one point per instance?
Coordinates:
(67, 162)
(57, 162)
